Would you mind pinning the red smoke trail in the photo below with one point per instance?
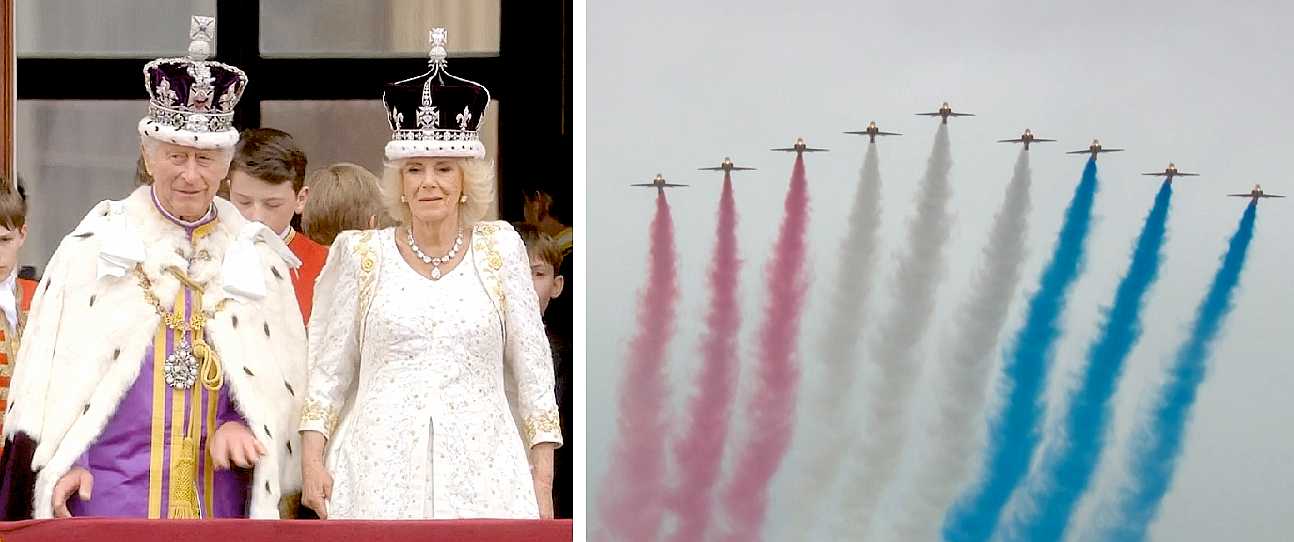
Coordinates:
(772, 408)
(633, 493)
(699, 453)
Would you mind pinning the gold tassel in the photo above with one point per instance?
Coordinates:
(184, 487)
(184, 477)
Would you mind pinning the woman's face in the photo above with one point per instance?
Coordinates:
(432, 188)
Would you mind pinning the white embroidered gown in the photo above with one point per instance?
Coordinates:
(429, 432)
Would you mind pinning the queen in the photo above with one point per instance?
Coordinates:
(430, 389)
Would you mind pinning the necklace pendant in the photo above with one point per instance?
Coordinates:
(435, 262)
(181, 367)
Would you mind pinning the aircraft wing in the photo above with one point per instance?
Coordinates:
(929, 114)
(1241, 195)
(784, 149)
(735, 168)
(811, 149)
(1159, 174)
(672, 184)
(1084, 151)
(1180, 174)
(961, 114)
(710, 169)
(1271, 196)
(644, 184)
(888, 133)
(1108, 150)
(1041, 140)
(1016, 140)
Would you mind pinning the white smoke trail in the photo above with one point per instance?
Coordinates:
(838, 364)
(963, 370)
(919, 270)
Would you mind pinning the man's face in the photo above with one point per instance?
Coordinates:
(260, 201)
(185, 179)
(11, 241)
(548, 284)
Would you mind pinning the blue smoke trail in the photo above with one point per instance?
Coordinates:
(1013, 434)
(1066, 469)
(1154, 454)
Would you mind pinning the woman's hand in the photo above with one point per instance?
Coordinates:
(541, 469)
(316, 482)
(316, 487)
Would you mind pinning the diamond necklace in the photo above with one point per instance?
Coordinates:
(436, 262)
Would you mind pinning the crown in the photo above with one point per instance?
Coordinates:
(191, 99)
(436, 113)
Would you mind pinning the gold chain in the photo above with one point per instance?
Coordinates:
(196, 323)
(211, 374)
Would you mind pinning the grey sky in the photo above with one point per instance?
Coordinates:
(673, 86)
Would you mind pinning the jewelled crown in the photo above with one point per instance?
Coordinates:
(191, 99)
(436, 113)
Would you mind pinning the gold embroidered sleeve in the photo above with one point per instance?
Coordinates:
(544, 427)
(316, 417)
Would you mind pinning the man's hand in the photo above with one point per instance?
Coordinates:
(234, 444)
(77, 480)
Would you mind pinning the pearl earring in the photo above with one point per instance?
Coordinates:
(463, 199)
(404, 199)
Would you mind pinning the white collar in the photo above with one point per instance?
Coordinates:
(205, 218)
(9, 299)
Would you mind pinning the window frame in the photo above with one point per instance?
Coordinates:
(530, 77)
(8, 100)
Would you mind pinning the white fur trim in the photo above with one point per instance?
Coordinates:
(241, 271)
(225, 139)
(78, 359)
(399, 150)
(119, 247)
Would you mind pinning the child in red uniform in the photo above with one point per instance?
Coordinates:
(15, 293)
(267, 184)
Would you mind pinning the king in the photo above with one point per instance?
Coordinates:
(163, 363)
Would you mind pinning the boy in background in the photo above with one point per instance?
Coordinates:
(15, 293)
(343, 197)
(267, 185)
